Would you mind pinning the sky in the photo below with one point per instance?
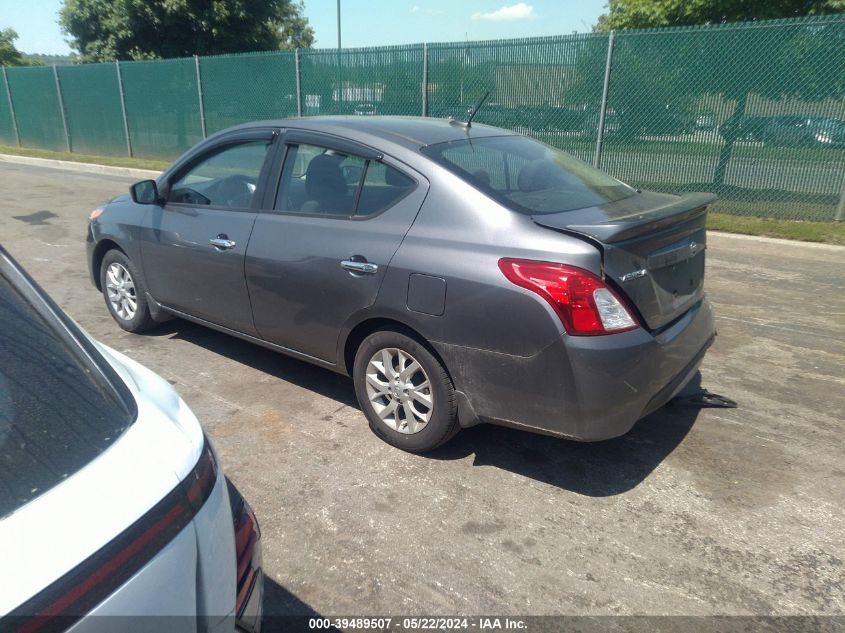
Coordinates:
(364, 22)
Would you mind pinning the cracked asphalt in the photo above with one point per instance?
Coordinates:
(695, 511)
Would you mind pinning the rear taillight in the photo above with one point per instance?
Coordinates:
(584, 303)
(76, 593)
(247, 549)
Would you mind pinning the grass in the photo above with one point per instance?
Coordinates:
(112, 161)
(828, 232)
(769, 212)
(691, 147)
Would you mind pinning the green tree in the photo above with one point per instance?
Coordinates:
(11, 56)
(105, 30)
(641, 14)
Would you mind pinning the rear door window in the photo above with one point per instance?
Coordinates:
(322, 181)
(57, 412)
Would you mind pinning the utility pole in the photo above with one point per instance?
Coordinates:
(603, 111)
(338, 23)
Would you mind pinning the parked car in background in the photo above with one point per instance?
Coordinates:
(803, 131)
(744, 128)
(656, 121)
(787, 131)
(552, 118)
(459, 274)
(502, 116)
(633, 123)
(612, 123)
(112, 500)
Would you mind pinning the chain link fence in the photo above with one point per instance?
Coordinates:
(752, 111)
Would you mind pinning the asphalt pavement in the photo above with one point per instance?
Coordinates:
(695, 511)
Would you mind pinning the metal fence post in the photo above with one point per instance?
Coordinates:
(123, 108)
(840, 210)
(298, 82)
(425, 81)
(62, 107)
(603, 112)
(12, 108)
(199, 96)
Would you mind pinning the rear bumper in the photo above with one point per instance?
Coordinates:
(249, 619)
(584, 388)
(249, 573)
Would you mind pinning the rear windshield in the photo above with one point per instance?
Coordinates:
(527, 175)
(57, 411)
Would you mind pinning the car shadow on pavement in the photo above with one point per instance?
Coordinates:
(283, 611)
(595, 469)
(300, 373)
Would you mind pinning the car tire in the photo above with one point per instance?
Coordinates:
(395, 376)
(124, 292)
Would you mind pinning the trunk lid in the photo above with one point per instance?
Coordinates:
(652, 249)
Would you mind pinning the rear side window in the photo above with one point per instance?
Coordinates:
(383, 187)
(57, 412)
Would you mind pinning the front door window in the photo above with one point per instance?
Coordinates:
(227, 178)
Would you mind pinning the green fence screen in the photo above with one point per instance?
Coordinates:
(752, 111)
(549, 88)
(92, 106)
(755, 112)
(362, 81)
(37, 111)
(252, 87)
(162, 106)
(7, 127)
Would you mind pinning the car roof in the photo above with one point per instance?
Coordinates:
(410, 132)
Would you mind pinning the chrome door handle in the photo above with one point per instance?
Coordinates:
(222, 243)
(364, 268)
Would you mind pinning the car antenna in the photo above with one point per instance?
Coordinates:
(468, 123)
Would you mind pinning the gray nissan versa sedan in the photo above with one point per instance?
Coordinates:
(460, 274)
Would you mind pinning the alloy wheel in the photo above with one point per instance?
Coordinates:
(399, 390)
(120, 289)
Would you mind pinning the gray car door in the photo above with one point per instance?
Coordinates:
(193, 246)
(319, 257)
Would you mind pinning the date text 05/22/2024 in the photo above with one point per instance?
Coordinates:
(417, 624)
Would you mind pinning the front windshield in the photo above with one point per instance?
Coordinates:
(526, 175)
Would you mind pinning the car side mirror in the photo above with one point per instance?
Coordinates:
(145, 192)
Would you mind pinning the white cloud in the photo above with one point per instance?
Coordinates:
(426, 10)
(518, 11)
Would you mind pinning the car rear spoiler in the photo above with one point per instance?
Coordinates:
(684, 208)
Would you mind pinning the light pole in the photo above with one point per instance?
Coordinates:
(338, 23)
